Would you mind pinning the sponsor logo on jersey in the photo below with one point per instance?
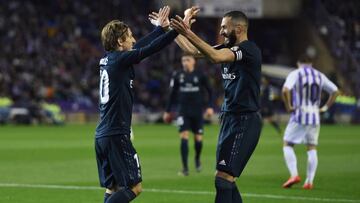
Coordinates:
(228, 76)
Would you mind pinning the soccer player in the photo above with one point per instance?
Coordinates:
(118, 163)
(241, 72)
(187, 87)
(267, 111)
(301, 95)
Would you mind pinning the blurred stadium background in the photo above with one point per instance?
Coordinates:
(50, 51)
(49, 75)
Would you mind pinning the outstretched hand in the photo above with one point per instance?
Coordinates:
(161, 18)
(190, 14)
(179, 25)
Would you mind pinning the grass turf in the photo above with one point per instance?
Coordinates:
(44, 155)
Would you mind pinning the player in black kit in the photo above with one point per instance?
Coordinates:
(267, 107)
(241, 72)
(118, 163)
(187, 89)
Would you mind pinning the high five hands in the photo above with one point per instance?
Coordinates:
(161, 18)
(181, 25)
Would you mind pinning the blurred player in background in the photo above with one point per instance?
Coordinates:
(118, 163)
(302, 95)
(187, 88)
(267, 107)
(241, 72)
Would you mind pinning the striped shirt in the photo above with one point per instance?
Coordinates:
(306, 85)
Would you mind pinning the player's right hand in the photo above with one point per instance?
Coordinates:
(190, 14)
(167, 117)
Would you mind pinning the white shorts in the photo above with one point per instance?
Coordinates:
(302, 134)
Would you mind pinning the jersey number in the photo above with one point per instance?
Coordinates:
(104, 87)
(312, 92)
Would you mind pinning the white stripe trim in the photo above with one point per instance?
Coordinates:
(153, 190)
(239, 55)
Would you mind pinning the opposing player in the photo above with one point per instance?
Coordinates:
(301, 94)
(267, 108)
(187, 88)
(118, 163)
(241, 72)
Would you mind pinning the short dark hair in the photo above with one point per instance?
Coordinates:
(304, 58)
(238, 16)
(111, 32)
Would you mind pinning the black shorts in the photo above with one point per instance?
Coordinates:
(195, 123)
(239, 135)
(117, 161)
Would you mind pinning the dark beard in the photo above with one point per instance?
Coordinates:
(230, 40)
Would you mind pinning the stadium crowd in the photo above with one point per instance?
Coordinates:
(50, 51)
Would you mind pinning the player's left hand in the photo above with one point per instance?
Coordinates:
(161, 18)
(209, 112)
(179, 25)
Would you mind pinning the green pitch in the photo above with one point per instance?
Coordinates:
(57, 165)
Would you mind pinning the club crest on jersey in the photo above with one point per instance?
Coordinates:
(228, 76)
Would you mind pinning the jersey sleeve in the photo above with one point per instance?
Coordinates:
(136, 55)
(174, 86)
(328, 86)
(242, 52)
(149, 37)
(291, 80)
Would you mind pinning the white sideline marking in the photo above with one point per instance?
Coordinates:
(264, 196)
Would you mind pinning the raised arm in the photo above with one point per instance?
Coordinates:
(161, 22)
(136, 55)
(149, 37)
(186, 46)
(215, 56)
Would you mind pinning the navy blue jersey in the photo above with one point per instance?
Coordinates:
(116, 83)
(188, 89)
(265, 95)
(242, 79)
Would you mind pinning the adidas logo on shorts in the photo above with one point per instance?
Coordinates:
(222, 163)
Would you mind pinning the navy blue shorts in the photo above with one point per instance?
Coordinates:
(239, 135)
(117, 161)
(193, 123)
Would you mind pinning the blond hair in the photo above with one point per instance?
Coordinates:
(111, 32)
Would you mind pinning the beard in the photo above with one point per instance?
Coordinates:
(230, 40)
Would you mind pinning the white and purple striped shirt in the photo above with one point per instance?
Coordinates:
(306, 85)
